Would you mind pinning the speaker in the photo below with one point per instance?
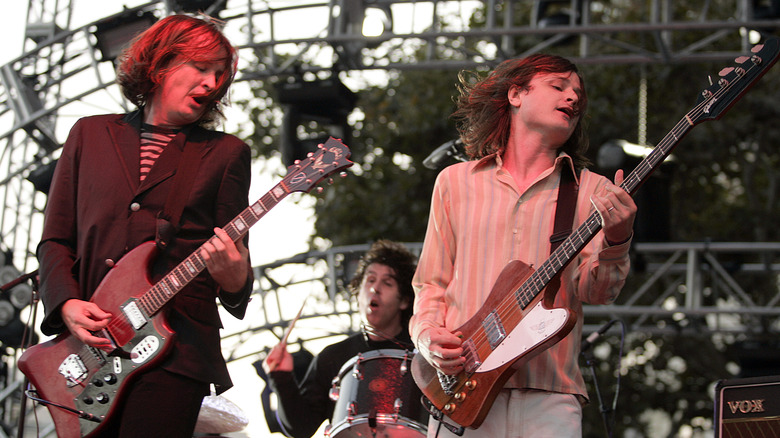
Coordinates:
(747, 407)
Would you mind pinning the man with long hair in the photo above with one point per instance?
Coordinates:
(522, 125)
(115, 188)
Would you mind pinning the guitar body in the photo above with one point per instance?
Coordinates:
(529, 331)
(87, 383)
(67, 372)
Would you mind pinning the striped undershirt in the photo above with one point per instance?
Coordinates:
(153, 142)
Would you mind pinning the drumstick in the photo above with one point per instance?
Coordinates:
(292, 323)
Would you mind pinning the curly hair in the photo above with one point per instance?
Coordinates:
(144, 64)
(482, 112)
(398, 258)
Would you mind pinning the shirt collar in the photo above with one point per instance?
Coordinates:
(563, 159)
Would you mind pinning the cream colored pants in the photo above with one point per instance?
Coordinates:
(519, 413)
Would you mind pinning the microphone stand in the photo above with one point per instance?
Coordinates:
(590, 361)
(26, 337)
(607, 413)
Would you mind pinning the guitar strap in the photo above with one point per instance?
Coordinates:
(564, 219)
(564, 211)
(168, 219)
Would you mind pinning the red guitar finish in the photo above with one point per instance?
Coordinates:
(80, 384)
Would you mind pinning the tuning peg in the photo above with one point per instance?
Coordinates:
(330, 181)
(726, 71)
(741, 59)
(320, 190)
(343, 174)
(757, 48)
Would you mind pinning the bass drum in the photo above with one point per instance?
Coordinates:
(376, 397)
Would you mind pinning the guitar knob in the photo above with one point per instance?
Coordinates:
(97, 382)
(102, 398)
(449, 408)
(110, 378)
(460, 396)
(471, 384)
(87, 400)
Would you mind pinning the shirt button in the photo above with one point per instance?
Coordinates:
(110, 263)
(135, 206)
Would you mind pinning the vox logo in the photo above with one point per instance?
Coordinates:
(746, 406)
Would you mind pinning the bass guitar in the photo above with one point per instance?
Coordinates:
(81, 385)
(517, 321)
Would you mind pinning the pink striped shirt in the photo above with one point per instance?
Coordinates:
(479, 222)
(153, 142)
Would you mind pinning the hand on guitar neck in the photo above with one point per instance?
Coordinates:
(617, 210)
(227, 261)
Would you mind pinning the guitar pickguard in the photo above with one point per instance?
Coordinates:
(537, 326)
(106, 381)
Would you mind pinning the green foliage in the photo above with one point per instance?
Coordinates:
(723, 186)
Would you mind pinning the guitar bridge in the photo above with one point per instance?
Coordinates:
(73, 369)
(447, 383)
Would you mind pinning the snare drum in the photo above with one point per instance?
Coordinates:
(376, 397)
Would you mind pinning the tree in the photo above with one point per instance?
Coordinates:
(723, 186)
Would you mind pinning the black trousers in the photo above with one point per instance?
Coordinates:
(159, 404)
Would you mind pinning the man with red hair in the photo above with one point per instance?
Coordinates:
(110, 193)
(522, 126)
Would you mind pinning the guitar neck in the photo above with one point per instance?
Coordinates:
(165, 289)
(576, 241)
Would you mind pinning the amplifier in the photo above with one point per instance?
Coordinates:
(748, 407)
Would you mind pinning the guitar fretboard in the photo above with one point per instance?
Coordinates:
(585, 232)
(162, 292)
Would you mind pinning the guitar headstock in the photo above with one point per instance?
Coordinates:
(735, 81)
(329, 158)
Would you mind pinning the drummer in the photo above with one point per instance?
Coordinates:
(383, 287)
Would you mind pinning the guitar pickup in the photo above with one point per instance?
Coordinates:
(471, 355)
(134, 315)
(494, 329)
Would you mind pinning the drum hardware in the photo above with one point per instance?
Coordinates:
(397, 405)
(333, 394)
(376, 396)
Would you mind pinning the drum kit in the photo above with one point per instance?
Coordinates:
(376, 397)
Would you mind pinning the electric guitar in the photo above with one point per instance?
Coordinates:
(517, 321)
(81, 385)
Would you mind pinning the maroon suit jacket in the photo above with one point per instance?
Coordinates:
(98, 210)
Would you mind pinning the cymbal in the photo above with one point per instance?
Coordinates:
(220, 415)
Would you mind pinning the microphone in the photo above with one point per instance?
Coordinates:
(441, 153)
(588, 342)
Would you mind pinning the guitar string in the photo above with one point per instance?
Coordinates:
(508, 304)
(154, 298)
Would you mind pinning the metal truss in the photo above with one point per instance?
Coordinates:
(694, 288)
(64, 73)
